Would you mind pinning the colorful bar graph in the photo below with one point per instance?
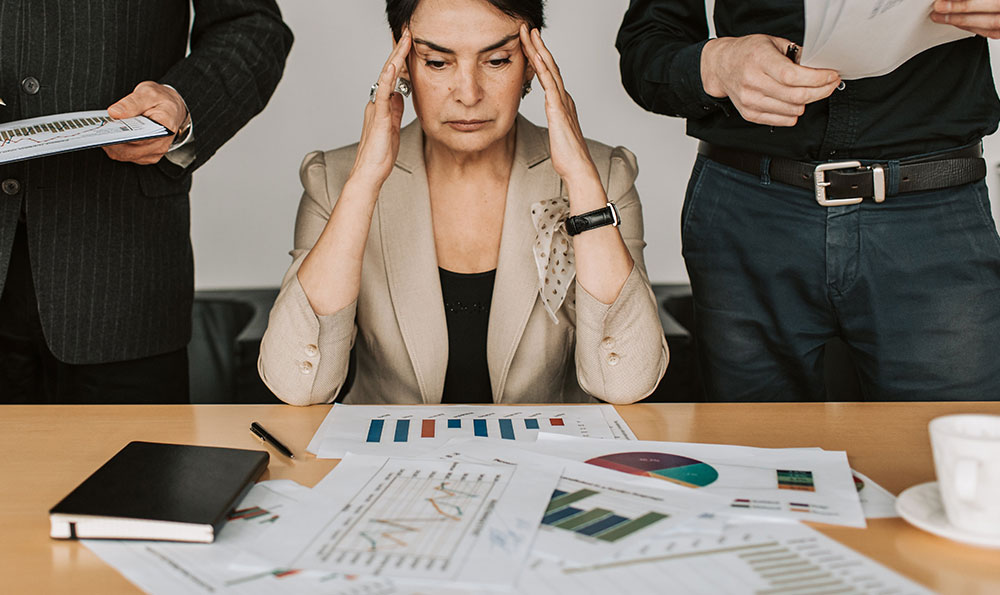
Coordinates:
(796, 480)
(598, 523)
(454, 423)
(506, 429)
(556, 421)
(427, 429)
(402, 430)
(375, 430)
(531, 424)
(479, 428)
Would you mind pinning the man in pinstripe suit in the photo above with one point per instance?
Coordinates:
(96, 271)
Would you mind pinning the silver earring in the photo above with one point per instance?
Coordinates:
(403, 86)
(525, 89)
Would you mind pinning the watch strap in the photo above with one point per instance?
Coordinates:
(592, 220)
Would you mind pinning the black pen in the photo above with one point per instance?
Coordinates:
(259, 431)
(792, 53)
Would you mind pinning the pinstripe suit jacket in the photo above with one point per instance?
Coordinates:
(109, 242)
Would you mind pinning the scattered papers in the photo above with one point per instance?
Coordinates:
(594, 513)
(792, 484)
(415, 519)
(410, 431)
(559, 514)
(61, 133)
(762, 558)
(864, 38)
(876, 501)
(168, 568)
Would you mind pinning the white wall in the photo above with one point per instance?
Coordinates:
(244, 199)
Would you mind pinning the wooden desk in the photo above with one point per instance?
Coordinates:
(48, 450)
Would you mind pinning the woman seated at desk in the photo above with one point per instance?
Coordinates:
(442, 253)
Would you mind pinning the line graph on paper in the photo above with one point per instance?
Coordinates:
(411, 517)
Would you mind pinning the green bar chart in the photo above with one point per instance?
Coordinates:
(599, 523)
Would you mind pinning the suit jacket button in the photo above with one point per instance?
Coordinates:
(306, 367)
(30, 85)
(10, 186)
(608, 343)
(613, 359)
(311, 350)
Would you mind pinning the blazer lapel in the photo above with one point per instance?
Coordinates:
(407, 238)
(516, 288)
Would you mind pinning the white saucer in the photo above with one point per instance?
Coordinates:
(921, 506)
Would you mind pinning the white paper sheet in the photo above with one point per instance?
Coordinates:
(412, 431)
(170, 568)
(594, 512)
(865, 38)
(762, 558)
(876, 501)
(61, 133)
(785, 484)
(414, 519)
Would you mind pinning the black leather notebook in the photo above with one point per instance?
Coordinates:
(149, 490)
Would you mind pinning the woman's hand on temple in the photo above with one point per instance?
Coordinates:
(570, 157)
(379, 144)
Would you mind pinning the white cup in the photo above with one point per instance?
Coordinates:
(967, 460)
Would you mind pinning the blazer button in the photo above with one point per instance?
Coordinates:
(306, 367)
(311, 350)
(608, 343)
(30, 85)
(613, 359)
(10, 186)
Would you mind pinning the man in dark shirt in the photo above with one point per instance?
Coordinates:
(897, 254)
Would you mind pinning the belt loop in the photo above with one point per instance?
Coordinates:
(765, 171)
(892, 178)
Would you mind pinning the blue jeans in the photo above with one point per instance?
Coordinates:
(911, 285)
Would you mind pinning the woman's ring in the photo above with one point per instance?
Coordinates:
(403, 87)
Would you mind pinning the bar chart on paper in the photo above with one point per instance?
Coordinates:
(567, 511)
(61, 133)
(380, 430)
(773, 558)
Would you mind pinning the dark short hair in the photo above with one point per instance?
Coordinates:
(399, 12)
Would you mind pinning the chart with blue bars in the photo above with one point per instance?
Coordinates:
(404, 430)
(567, 511)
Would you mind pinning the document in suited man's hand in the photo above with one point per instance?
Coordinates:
(61, 133)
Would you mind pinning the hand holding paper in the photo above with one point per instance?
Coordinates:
(157, 102)
(764, 85)
(981, 17)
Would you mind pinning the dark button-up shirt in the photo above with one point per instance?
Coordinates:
(940, 99)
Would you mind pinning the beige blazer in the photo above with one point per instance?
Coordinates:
(614, 352)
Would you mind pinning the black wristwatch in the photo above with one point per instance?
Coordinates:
(594, 219)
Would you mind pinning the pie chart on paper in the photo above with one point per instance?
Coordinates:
(673, 468)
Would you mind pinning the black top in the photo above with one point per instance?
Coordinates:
(467, 308)
(942, 98)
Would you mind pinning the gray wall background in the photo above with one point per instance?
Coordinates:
(244, 199)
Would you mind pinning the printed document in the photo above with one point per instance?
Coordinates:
(61, 133)
(865, 38)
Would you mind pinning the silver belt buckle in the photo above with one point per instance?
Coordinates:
(820, 183)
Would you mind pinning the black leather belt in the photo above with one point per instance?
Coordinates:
(849, 182)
